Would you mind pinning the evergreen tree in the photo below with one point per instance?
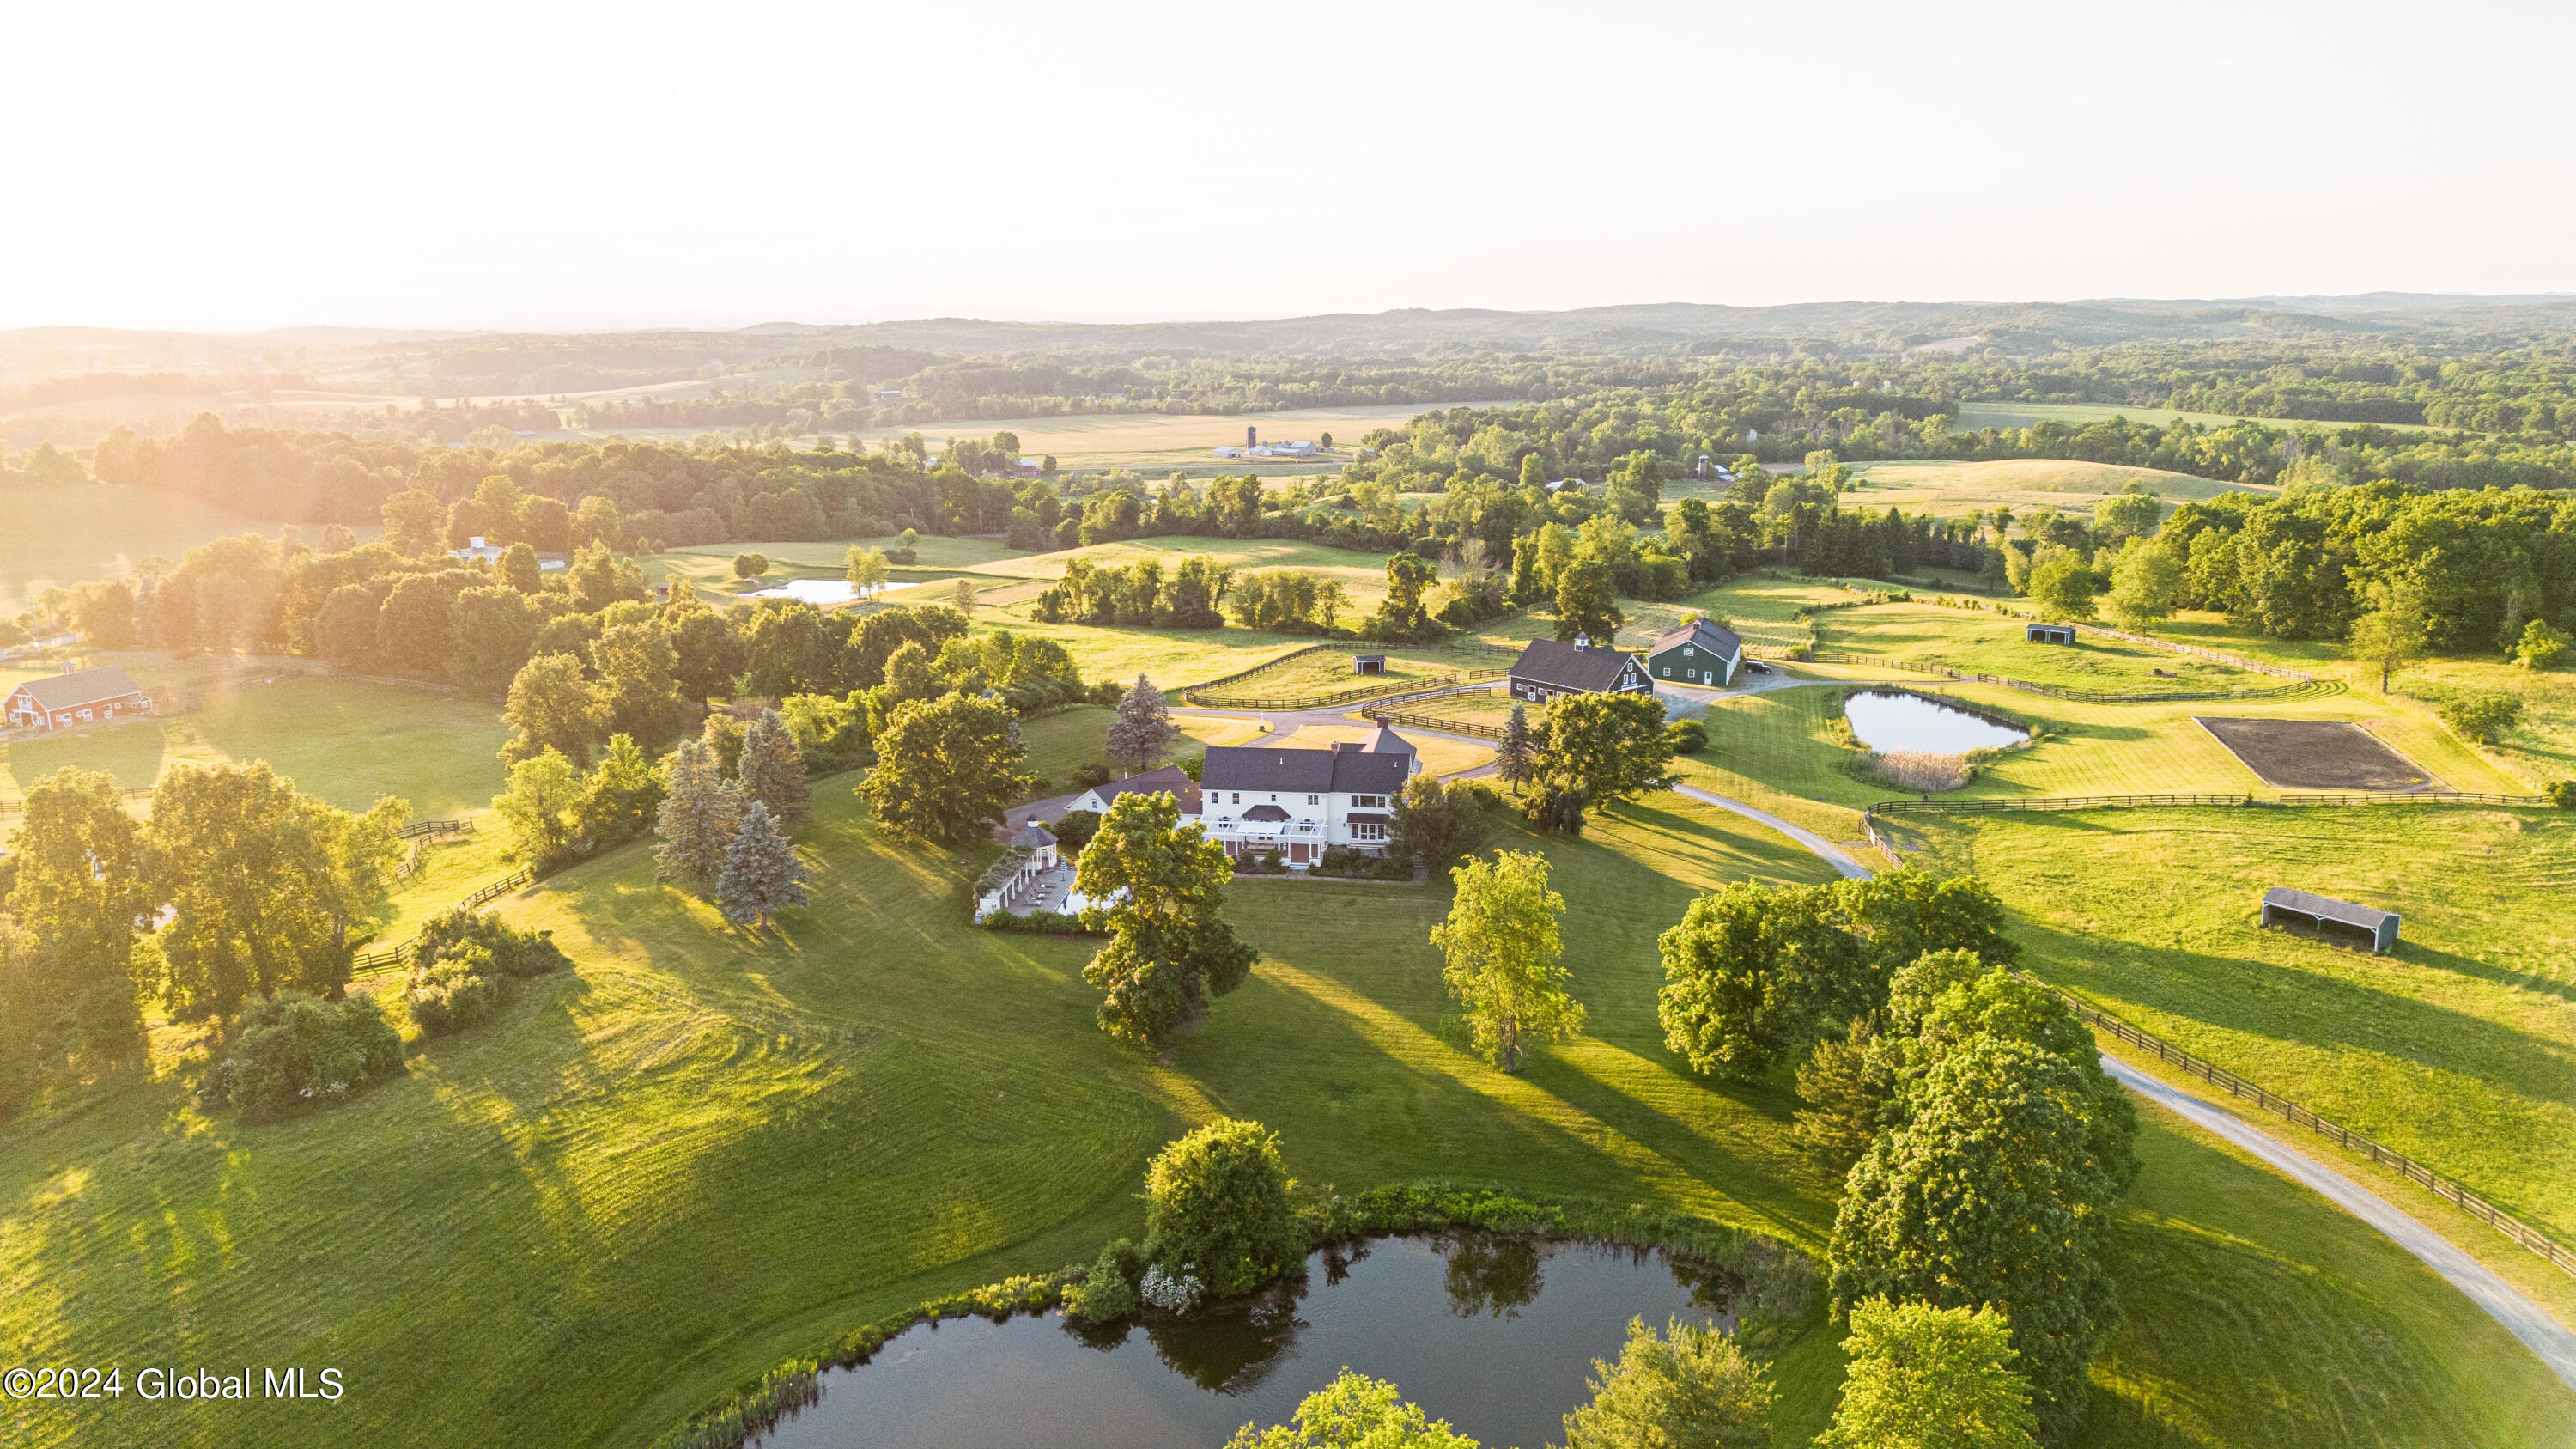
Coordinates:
(1143, 732)
(773, 768)
(697, 818)
(619, 799)
(1516, 758)
(761, 874)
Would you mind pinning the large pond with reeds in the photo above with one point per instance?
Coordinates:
(1893, 723)
(1496, 1334)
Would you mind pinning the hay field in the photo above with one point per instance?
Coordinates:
(1978, 416)
(1946, 489)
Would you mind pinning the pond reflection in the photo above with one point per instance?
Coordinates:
(1494, 1333)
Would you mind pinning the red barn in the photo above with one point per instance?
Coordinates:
(64, 701)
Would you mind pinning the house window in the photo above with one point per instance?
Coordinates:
(1368, 832)
(1368, 802)
(84, 716)
(1668, 672)
(1689, 653)
(1237, 800)
(1314, 799)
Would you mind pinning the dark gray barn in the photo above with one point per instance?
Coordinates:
(2330, 919)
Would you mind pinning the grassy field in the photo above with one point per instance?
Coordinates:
(1439, 756)
(1156, 444)
(1985, 642)
(2456, 1048)
(1978, 416)
(1945, 488)
(346, 740)
(706, 1151)
(61, 536)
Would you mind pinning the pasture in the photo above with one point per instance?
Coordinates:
(2455, 1048)
(344, 740)
(57, 537)
(1985, 641)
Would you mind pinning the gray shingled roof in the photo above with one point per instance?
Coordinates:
(1708, 634)
(1562, 666)
(87, 686)
(1346, 768)
(1033, 836)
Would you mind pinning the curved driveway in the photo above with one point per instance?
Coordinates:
(2503, 1302)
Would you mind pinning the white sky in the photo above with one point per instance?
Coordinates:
(642, 163)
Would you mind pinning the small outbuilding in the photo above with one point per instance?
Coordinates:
(2330, 919)
(2049, 633)
(1368, 664)
(65, 701)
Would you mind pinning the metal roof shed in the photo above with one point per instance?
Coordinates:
(2330, 918)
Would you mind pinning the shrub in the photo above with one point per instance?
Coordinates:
(1192, 766)
(459, 990)
(1095, 773)
(1218, 1208)
(462, 964)
(512, 953)
(2542, 647)
(1074, 831)
(749, 565)
(2481, 717)
(2563, 794)
(292, 1050)
(1686, 736)
(1108, 1293)
(1556, 807)
(1037, 923)
(1169, 1291)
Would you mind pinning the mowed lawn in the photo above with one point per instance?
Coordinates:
(705, 1151)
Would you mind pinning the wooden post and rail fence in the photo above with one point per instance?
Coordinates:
(490, 891)
(2446, 1188)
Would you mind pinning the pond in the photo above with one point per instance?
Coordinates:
(1495, 1334)
(1903, 723)
(811, 591)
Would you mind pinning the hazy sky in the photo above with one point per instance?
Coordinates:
(534, 165)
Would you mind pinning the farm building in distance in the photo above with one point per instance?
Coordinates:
(65, 701)
(2049, 633)
(2329, 919)
(1548, 669)
(1701, 652)
(1368, 664)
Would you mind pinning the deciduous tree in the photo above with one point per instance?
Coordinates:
(1584, 604)
(1168, 952)
(1355, 1412)
(1433, 823)
(1924, 1377)
(2391, 635)
(1217, 1208)
(80, 893)
(1501, 944)
(946, 768)
(539, 807)
(1692, 1387)
(621, 797)
(639, 688)
(552, 707)
(1611, 747)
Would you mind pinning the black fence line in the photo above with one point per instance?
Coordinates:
(2053, 691)
(1395, 687)
(483, 894)
(2295, 801)
(1399, 719)
(2445, 1188)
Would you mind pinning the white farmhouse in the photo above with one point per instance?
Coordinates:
(1258, 799)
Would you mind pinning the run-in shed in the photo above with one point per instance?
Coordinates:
(2049, 633)
(2329, 918)
(1368, 664)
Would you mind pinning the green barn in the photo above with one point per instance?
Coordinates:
(1700, 652)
